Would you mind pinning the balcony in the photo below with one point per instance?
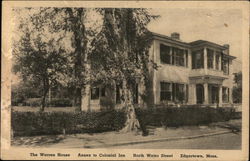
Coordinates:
(207, 72)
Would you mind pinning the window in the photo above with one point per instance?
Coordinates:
(174, 51)
(178, 92)
(172, 55)
(165, 54)
(103, 92)
(179, 57)
(197, 59)
(94, 93)
(225, 66)
(225, 94)
(210, 59)
(180, 95)
(165, 94)
(217, 61)
(174, 92)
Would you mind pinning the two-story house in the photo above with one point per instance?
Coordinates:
(199, 72)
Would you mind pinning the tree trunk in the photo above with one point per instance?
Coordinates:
(80, 43)
(85, 100)
(45, 92)
(132, 123)
(78, 99)
(43, 102)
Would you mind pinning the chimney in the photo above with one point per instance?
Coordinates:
(175, 35)
(226, 51)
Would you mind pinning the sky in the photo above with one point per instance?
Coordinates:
(217, 25)
(221, 26)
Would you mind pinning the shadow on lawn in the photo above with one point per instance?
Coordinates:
(36, 140)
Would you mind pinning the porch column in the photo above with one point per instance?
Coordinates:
(205, 58)
(220, 95)
(192, 95)
(230, 92)
(206, 93)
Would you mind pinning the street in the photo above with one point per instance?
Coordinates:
(229, 141)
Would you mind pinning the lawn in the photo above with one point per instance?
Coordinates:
(47, 109)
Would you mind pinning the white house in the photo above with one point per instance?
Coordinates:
(199, 72)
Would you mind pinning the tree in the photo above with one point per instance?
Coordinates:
(237, 89)
(39, 60)
(69, 24)
(121, 54)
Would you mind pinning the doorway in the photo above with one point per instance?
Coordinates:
(214, 94)
(199, 94)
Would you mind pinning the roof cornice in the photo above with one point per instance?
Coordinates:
(199, 43)
(169, 39)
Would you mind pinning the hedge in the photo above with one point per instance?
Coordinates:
(60, 102)
(45, 123)
(34, 102)
(51, 123)
(54, 102)
(175, 117)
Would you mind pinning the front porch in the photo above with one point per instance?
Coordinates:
(210, 91)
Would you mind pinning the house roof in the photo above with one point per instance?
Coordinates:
(204, 42)
(191, 44)
(169, 39)
(229, 56)
(196, 43)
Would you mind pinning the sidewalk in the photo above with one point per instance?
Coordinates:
(111, 139)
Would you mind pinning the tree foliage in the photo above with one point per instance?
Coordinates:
(121, 53)
(62, 36)
(117, 53)
(237, 89)
(39, 54)
(121, 48)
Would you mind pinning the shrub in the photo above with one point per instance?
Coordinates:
(60, 102)
(55, 102)
(175, 117)
(46, 123)
(15, 101)
(106, 103)
(33, 102)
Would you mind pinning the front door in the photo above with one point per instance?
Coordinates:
(215, 94)
(199, 93)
